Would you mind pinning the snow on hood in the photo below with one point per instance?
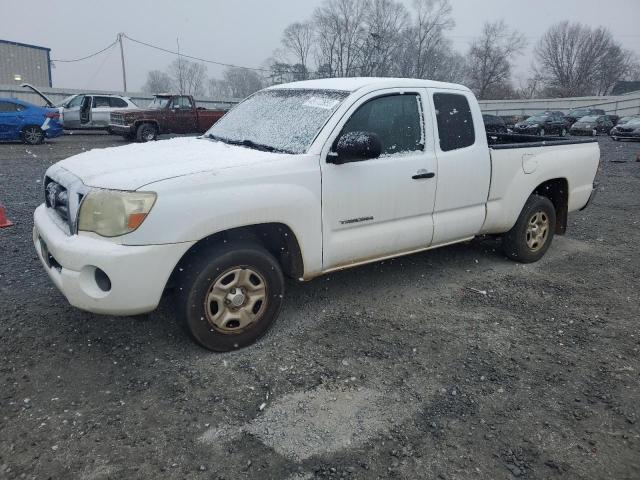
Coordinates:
(132, 166)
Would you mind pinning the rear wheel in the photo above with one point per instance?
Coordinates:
(541, 133)
(32, 135)
(531, 236)
(229, 295)
(563, 132)
(146, 132)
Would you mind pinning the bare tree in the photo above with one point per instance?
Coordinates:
(297, 40)
(339, 33)
(578, 60)
(242, 82)
(424, 41)
(490, 58)
(384, 24)
(157, 82)
(219, 89)
(188, 77)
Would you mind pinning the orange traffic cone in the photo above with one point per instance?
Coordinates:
(4, 221)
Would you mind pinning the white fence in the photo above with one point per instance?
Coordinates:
(621, 105)
(140, 99)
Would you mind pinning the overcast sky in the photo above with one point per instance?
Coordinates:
(245, 32)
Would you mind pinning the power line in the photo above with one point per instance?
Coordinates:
(88, 56)
(195, 58)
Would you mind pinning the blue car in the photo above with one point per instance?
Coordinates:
(29, 123)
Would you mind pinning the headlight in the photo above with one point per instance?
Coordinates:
(535, 125)
(112, 213)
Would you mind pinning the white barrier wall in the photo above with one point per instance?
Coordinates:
(140, 99)
(621, 105)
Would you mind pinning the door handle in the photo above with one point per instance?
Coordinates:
(422, 173)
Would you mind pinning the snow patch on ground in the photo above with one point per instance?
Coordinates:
(305, 424)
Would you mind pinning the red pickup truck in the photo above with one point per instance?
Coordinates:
(165, 114)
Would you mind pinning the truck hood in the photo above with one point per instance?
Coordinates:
(133, 166)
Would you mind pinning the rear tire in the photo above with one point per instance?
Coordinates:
(541, 132)
(229, 295)
(563, 132)
(32, 135)
(146, 132)
(531, 236)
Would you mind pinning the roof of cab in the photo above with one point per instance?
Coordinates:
(352, 84)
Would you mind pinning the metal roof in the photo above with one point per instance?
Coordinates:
(25, 45)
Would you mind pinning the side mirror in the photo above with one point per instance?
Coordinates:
(355, 147)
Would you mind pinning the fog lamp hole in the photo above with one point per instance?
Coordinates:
(102, 280)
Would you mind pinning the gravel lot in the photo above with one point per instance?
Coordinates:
(399, 369)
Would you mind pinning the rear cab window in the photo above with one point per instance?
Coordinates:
(454, 120)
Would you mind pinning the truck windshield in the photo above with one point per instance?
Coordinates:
(158, 103)
(284, 120)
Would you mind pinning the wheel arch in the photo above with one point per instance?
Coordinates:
(556, 190)
(277, 238)
(155, 123)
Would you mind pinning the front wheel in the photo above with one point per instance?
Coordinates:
(531, 236)
(563, 132)
(32, 135)
(542, 132)
(146, 132)
(229, 295)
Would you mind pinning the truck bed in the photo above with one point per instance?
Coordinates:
(502, 141)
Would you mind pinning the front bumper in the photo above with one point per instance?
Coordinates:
(626, 135)
(121, 129)
(581, 131)
(137, 274)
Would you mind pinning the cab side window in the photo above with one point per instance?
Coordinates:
(100, 102)
(75, 102)
(116, 102)
(396, 119)
(8, 107)
(455, 122)
(182, 103)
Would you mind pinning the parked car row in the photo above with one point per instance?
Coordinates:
(584, 121)
(117, 114)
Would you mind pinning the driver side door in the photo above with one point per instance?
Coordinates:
(383, 206)
(71, 113)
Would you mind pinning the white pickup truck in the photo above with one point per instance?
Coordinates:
(300, 180)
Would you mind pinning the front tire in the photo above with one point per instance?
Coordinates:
(32, 135)
(531, 236)
(229, 295)
(146, 132)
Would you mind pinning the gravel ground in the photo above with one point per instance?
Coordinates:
(400, 369)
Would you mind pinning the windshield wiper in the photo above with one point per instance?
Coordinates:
(248, 143)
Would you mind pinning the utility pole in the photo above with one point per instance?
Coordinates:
(124, 72)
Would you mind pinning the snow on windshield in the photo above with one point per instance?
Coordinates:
(283, 119)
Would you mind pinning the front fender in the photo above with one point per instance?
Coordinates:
(193, 207)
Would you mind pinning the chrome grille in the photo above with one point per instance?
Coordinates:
(57, 197)
(117, 118)
(63, 193)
